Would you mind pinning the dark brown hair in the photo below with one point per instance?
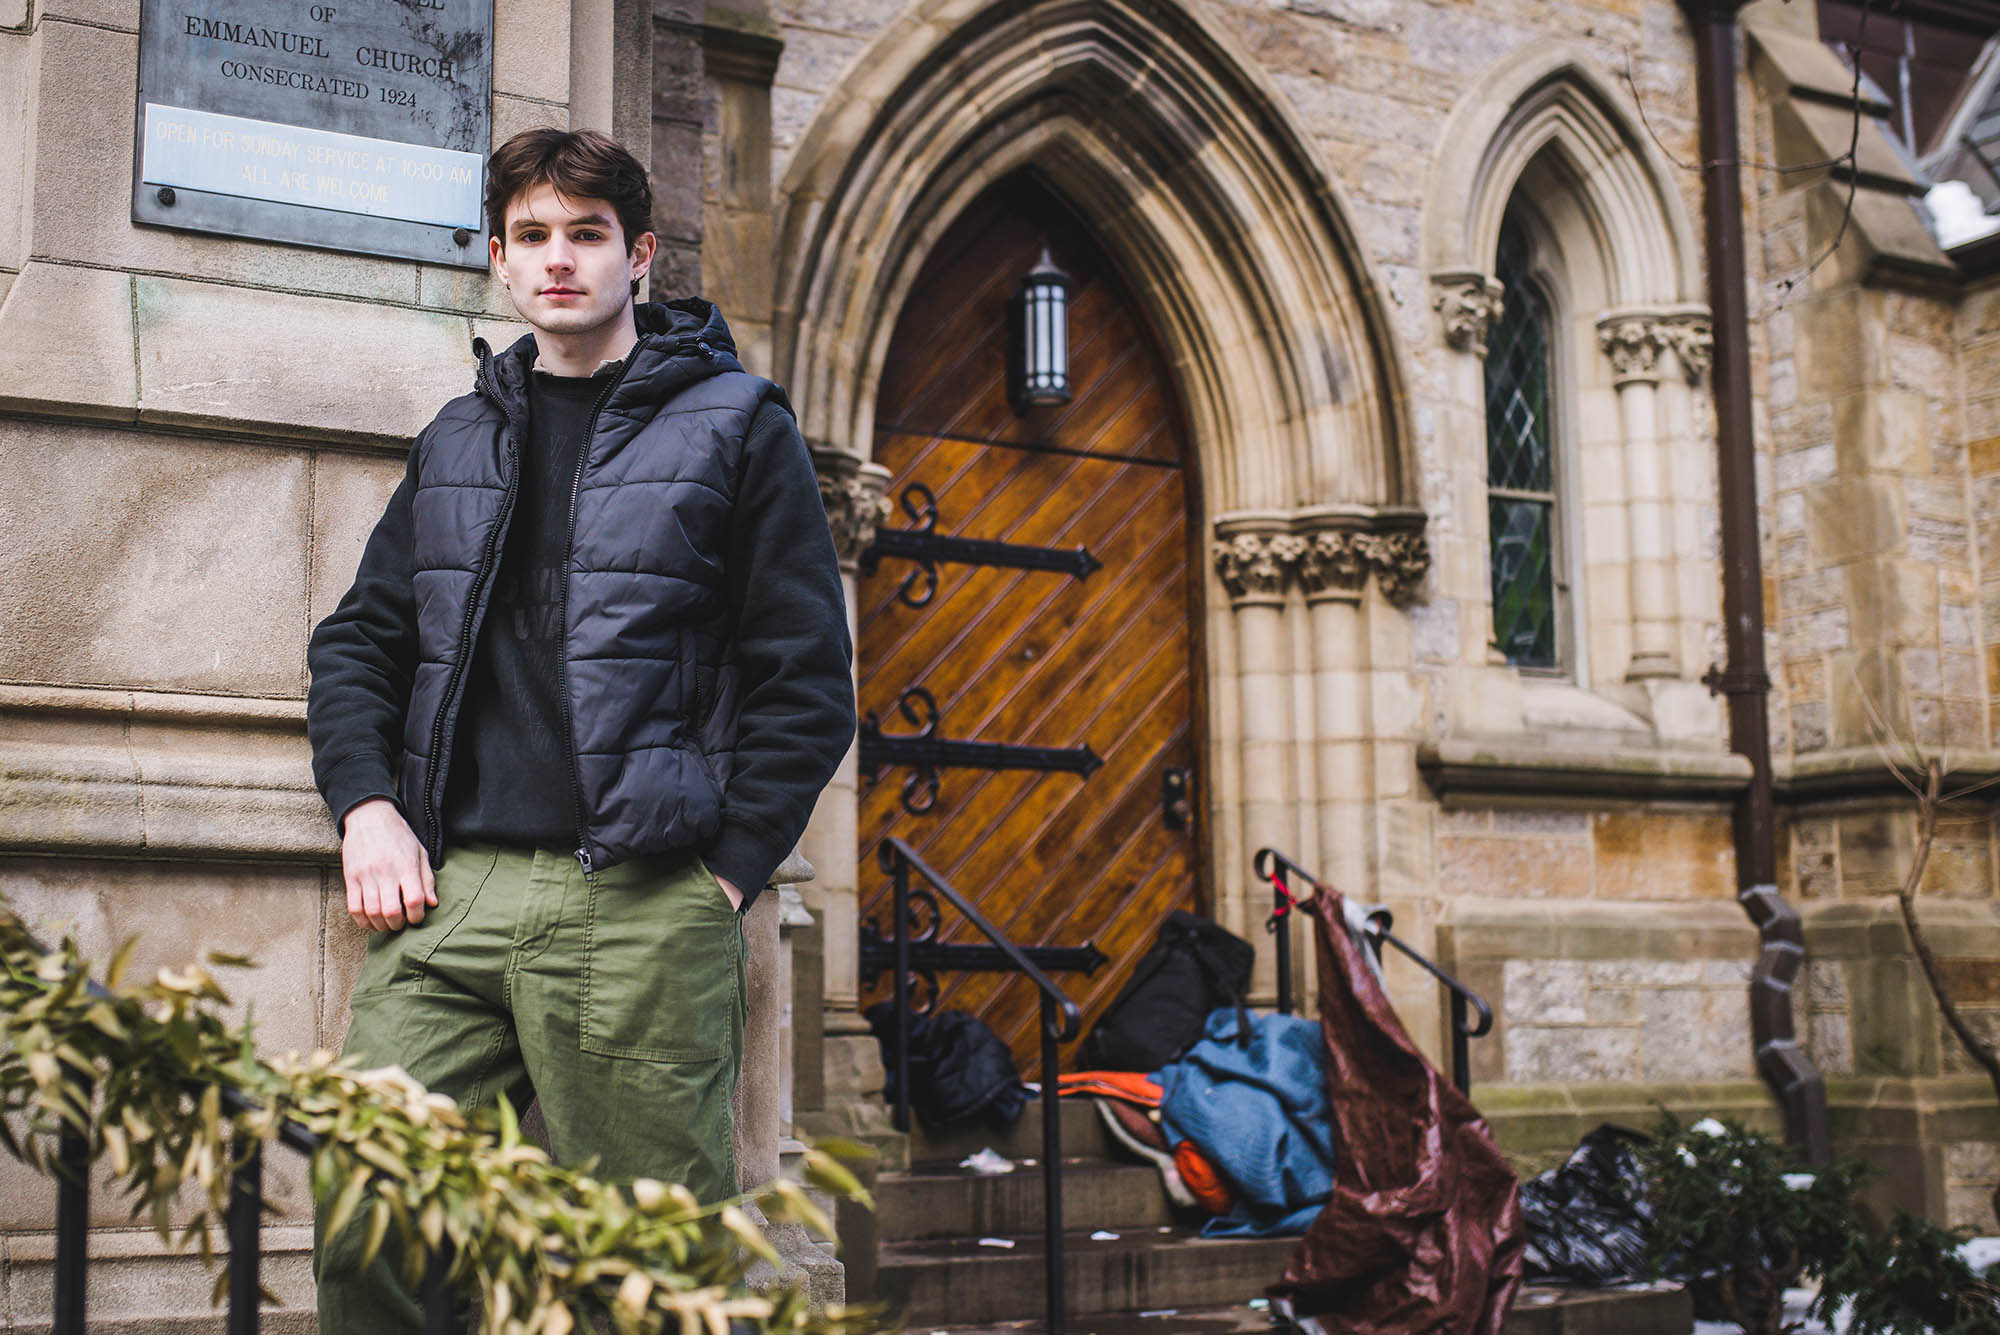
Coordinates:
(580, 164)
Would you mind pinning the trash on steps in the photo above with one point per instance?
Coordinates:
(988, 1162)
(1587, 1221)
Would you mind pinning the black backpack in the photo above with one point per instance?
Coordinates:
(958, 1066)
(1195, 967)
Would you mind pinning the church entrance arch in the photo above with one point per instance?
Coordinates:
(1026, 657)
(1239, 255)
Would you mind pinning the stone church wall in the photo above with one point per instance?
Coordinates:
(199, 433)
(1599, 914)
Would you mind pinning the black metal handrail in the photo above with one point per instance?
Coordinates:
(898, 859)
(1275, 867)
(243, 1225)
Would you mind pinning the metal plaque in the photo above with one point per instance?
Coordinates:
(359, 125)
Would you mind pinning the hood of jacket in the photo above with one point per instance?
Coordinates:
(680, 342)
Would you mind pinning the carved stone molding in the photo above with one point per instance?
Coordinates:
(1331, 551)
(1401, 562)
(1334, 564)
(853, 493)
(1468, 303)
(95, 772)
(740, 47)
(1692, 337)
(1633, 342)
(1255, 566)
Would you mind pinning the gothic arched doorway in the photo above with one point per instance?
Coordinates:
(1033, 657)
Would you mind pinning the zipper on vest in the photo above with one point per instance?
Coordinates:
(694, 658)
(583, 858)
(433, 827)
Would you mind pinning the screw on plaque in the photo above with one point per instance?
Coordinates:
(461, 237)
(166, 196)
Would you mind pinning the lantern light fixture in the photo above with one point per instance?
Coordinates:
(1039, 339)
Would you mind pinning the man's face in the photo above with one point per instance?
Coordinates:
(565, 261)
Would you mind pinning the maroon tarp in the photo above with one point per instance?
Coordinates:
(1423, 1232)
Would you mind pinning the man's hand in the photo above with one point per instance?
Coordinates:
(735, 895)
(387, 872)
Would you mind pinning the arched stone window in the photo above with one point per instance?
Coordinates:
(1524, 517)
(1566, 271)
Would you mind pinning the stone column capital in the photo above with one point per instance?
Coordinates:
(1468, 302)
(1633, 340)
(1691, 334)
(740, 47)
(1401, 561)
(1257, 556)
(1334, 565)
(1330, 550)
(853, 492)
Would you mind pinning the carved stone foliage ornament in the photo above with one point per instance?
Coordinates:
(1633, 343)
(1256, 567)
(853, 494)
(1634, 340)
(1401, 562)
(1467, 304)
(1692, 338)
(1335, 562)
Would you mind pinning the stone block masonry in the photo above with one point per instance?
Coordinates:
(1572, 1020)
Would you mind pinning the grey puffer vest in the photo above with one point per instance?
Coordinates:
(647, 693)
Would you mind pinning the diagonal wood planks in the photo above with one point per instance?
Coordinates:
(1035, 657)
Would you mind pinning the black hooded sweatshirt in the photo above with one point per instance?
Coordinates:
(775, 659)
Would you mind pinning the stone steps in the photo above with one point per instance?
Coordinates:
(1156, 1277)
(957, 1279)
(1238, 1320)
(947, 1202)
(1083, 1137)
(1550, 1310)
(931, 1267)
(1537, 1311)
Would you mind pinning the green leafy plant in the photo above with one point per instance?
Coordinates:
(1733, 1211)
(1911, 1282)
(548, 1249)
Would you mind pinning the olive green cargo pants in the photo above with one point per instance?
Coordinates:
(616, 1000)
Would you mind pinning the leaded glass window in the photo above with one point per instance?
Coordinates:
(1520, 465)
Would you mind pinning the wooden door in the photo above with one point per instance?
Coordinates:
(1036, 657)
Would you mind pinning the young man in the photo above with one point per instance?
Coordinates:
(591, 676)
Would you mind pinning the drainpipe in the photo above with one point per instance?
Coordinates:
(1799, 1087)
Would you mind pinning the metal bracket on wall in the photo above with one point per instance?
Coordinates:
(924, 545)
(926, 753)
(1177, 798)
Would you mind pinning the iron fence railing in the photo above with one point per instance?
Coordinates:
(1273, 866)
(1060, 1021)
(243, 1227)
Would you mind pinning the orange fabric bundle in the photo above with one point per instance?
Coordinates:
(1201, 1178)
(1127, 1086)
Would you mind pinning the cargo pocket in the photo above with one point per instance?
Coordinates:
(662, 957)
(400, 961)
